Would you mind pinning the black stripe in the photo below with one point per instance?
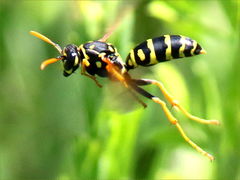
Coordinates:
(198, 49)
(146, 51)
(175, 45)
(127, 65)
(188, 47)
(160, 48)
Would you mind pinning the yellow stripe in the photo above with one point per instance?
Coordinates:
(181, 49)
(130, 63)
(141, 54)
(194, 47)
(110, 48)
(169, 49)
(153, 58)
(85, 60)
(83, 50)
(132, 59)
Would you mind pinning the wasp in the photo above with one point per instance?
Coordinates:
(102, 59)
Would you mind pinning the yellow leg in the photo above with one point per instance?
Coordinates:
(175, 103)
(174, 121)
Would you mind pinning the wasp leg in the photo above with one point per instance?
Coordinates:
(83, 72)
(115, 72)
(137, 98)
(93, 78)
(171, 119)
(172, 101)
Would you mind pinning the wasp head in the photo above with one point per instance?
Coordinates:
(71, 59)
(70, 55)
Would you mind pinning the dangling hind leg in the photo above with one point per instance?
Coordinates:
(171, 119)
(137, 98)
(172, 101)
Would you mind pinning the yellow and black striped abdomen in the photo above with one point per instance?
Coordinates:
(163, 48)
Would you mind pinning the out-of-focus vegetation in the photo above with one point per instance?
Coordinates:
(52, 127)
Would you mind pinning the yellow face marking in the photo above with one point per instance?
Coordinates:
(92, 46)
(132, 58)
(181, 49)
(169, 49)
(76, 60)
(194, 47)
(153, 58)
(98, 64)
(141, 54)
(68, 71)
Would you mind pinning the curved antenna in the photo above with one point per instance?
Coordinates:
(49, 61)
(44, 38)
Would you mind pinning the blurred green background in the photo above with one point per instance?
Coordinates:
(52, 127)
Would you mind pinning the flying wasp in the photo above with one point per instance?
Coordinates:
(102, 59)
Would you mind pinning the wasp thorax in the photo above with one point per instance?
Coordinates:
(71, 59)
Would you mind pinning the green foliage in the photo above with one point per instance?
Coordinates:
(52, 127)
